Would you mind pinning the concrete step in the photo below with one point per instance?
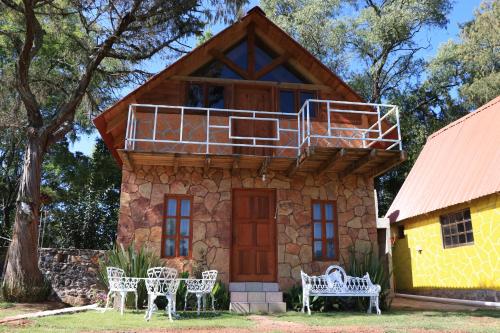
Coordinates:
(257, 307)
(254, 286)
(256, 296)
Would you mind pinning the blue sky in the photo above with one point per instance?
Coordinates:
(462, 11)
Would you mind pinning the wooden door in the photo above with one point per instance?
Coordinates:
(253, 249)
(258, 99)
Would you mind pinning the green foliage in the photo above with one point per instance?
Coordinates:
(221, 296)
(362, 262)
(134, 263)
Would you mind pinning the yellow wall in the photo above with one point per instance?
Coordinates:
(474, 266)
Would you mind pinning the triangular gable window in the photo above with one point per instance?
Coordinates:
(239, 57)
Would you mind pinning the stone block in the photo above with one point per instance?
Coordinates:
(270, 286)
(259, 308)
(253, 286)
(237, 286)
(256, 296)
(239, 296)
(277, 307)
(239, 307)
(274, 296)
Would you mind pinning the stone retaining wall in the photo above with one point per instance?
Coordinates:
(72, 274)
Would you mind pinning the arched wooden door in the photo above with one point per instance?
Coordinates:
(253, 250)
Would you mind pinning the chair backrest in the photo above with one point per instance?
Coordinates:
(336, 277)
(115, 272)
(162, 273)
(209, 275)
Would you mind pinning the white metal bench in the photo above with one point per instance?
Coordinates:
(201, 288)
(335, 282)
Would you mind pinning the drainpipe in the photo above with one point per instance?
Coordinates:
(451, 300)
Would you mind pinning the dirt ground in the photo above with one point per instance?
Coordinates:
(400, 303)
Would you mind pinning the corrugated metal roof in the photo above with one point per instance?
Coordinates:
(460, 162)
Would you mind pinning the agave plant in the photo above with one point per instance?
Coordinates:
(134, 263)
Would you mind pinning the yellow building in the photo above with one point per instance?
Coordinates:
(445, 220)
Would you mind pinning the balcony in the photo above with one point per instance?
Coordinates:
(324, 136)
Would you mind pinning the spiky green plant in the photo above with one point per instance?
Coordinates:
(134, 263)
(362, 262)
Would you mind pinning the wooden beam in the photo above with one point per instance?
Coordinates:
(116, 121)
(384, 167)
(272, 65)
(359, 163)
(264, 166)
(222, 58)
(127, 162)
(294, 167)
(236, 162)
(251, 50)
(206, 167)
(176, 163)
(334, 159)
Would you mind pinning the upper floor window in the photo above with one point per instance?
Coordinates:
(177, 226)
(325, 230)
(205, 95)
(290, 101)
(251, 61)
(456, 229)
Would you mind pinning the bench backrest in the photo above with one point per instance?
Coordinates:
(335, 280)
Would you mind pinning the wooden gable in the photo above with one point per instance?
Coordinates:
(168, 86)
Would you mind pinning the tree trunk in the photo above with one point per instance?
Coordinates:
(23, 280)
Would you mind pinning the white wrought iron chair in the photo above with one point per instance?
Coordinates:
(201, 288)
(161, 281)
(120, 284)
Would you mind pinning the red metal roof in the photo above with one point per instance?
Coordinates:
(460, 162)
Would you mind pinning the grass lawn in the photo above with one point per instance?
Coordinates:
(393, 321)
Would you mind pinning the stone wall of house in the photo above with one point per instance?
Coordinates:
(72, 274)
(142, 200)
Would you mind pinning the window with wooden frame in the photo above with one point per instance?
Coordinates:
(325, 230)
(177, 226)
(291, 100)
(456, 229)
(205, 95)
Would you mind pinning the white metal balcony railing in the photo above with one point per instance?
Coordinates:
(212, 127)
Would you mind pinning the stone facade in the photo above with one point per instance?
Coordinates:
(72, 274)
(144, 190)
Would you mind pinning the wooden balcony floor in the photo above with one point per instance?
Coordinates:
(318, 160)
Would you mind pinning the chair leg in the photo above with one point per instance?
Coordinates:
(123, 296)
(148, 306)
(370, 305)
(377, 305)
(169, 307)
(198, 301)
(308, 305)
(204, 300)
(136, 297)
(185, 300)
(107, 301)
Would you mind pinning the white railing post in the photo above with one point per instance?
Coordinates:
(328, 116)
(379, 122)
(127, 132)
(182, 124)
(399, 128)
(134, 131)
(363, 135)
(308, 125)
(154, 123)
(207, 150)
(298, 133)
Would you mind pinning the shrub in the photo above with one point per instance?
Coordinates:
(134, 263)
(361, 263)
(221, 296)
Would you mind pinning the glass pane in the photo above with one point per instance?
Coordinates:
(317, 230)
(470, 237)
(453, 229)
(170, 226)
(447, 241)
(239, 55)
(282, 73)
(172, 207)
(316, 211)
(185, 227)
(304, 96)
(467, 214)
(461, 238)
(287, 101)
(195, 95)
(446, 230)
(329, 230)
(318, 249)
(459, 216)
(169, 247)
(216, 97)
(454, 239)
(184, 247)
(468, 225)
(329, 212)
(461, 227)
(330, 249)
(217, 69)
(185, 205)
(262, 58)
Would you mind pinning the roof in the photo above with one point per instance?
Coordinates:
(254, 16)
(459, 163)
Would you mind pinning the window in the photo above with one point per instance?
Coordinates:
(177, 227)
(217, 69)
(290, 101)
(204, 95)
(456, 229)
(401, 231)
(325, 231)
